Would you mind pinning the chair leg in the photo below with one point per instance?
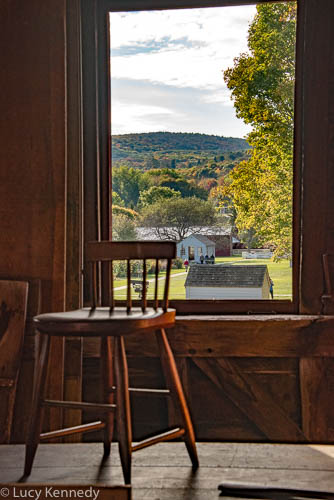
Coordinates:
(35, 424)
(108, 395)
(175, 386)
(123, 414)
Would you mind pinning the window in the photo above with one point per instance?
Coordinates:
(249, 305)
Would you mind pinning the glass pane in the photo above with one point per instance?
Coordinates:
(202, 143)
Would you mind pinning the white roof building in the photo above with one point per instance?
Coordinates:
(195, 245)
(222, 281)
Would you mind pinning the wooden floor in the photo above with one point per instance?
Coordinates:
(163, 472)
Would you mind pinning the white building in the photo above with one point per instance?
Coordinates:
(195, 245)
(222, 281)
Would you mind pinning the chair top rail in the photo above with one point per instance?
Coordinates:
(118, 250)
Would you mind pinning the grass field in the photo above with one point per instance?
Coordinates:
(280, 273)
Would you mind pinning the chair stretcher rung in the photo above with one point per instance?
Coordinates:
(76, 405)
(93, 426)
(149, 392)
(165, 436)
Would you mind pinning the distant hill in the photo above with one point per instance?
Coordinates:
(174, 142)
(192, 164)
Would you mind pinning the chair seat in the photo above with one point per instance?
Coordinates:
(101, 321)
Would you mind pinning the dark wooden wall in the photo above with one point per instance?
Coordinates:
(318, 156)
(33, 173)
(259, 379)
(244, 382)
(33, 144)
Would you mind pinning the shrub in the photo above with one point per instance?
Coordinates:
(177, 263)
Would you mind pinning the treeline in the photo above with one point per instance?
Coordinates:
(131, 187)
(174, 150)
(130, 184)
(175, 141)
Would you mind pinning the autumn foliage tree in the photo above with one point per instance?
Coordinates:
(262, 85)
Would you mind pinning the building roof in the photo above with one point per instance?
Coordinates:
(216, 230)
(218, 275)
(147, 233)
(202, 238)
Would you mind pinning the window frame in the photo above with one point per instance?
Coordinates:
(97, 168)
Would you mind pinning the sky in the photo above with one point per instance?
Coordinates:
(167, 70)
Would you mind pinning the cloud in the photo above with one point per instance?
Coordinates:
(207, 25)
(141, 106)
(167, 66)
(151, 46)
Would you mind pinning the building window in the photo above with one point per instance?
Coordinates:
(137, 156)
(191, 253)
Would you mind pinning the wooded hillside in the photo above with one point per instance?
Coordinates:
(168, 149)
(171, 141)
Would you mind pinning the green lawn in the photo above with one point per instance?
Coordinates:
(280, 273)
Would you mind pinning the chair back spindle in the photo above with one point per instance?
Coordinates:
(156, 285)
(143, 295)
(168, 270)
(111, 286)
(128, 290)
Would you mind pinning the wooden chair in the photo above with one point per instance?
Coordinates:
(112, 324)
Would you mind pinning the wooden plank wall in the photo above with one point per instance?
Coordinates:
(262, 379)
(32, 131)
(73, 347)
(317, 155)
(33, 158)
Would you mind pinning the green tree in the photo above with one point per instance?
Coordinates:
(174, 180)
(186, 188)
(262, 85)
(157, 194)
(177, 218)
(123, 228)
(116, 199)
(127, 183)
